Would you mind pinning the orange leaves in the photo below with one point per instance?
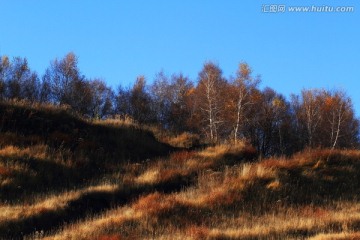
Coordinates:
(278, 103)
(244, 70)
(190, 92)
(329, 101)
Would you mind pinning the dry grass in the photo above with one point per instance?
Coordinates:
(38, 105)
(47, 203)
(155, 206)
(97, 227)
(218, 206)
(32, 164)
(186, 162)
(116, 121)
(36, 151)
(219, 192)
(9, 169)
(284, 222)
(183, 140)
(337, 236)
(280, 223)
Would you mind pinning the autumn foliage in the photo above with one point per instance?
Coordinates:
(215, 107)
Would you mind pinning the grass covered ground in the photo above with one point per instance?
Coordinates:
(63, 177)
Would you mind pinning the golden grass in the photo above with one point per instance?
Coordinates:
(36, 151)
(337, 236)
(218, 150)
(286, 221)
(184, 163)
(116, 121)
(15, 161)
(281, 222)
(200, 211)
(55, 202)
(180, 215)
(183, 140)
(94, 228)
(275, 198)
(8, 169)
(37, 105)
(150, 206)
(149, 177)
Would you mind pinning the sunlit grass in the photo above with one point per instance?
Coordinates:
(216, 207)
(46, 203)
(36, 151)
(216, 192)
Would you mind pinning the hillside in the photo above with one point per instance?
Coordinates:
(63, 177)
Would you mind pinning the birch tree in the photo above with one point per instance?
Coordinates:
(310, 113)
(209, 89)
(338, 117)
(244, 84)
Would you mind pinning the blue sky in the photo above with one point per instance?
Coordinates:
(119, 40)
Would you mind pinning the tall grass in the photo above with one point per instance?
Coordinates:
(246, 201)
(72, 178)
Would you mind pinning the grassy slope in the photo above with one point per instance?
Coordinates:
(312, 195)
(46, 151)
(64, 178)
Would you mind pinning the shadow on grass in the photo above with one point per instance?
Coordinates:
(88, 204)
(304, 186)
(90, 149)
(38, 176)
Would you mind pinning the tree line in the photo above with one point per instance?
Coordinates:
(217, 108)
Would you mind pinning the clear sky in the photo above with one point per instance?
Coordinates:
(118, 40)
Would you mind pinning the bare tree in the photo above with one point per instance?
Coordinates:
(140, 102)
(160, 91)
(122, 102)
(4, 73)
(180, 112)
(209, 87)
(309, 112)
(337, 117)
(327, 118)
(19, 72)
(45, 89)
(102, 98)
(63, 75)
(244, 84)
(31, 88)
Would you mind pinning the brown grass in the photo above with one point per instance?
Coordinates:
(37, 105)
(337, 236)
(281, 222)
(218, 206)
(110, 237)
(186, 162)
(116, 121)
(183, 140)
(55, 202)
(219, 192)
